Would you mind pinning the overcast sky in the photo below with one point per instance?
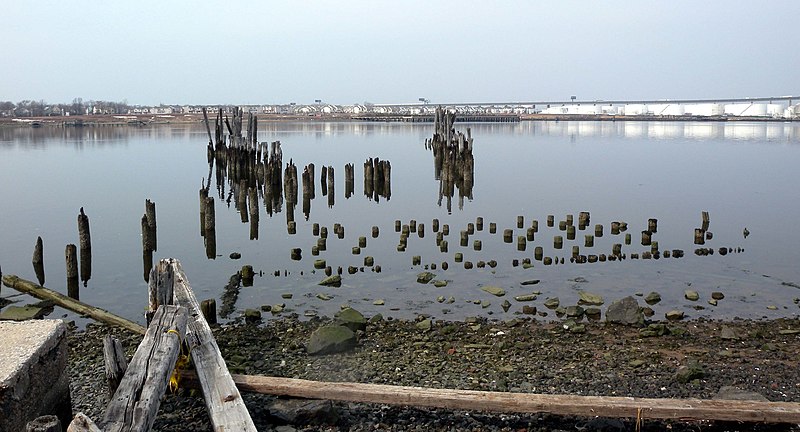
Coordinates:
(344, 52)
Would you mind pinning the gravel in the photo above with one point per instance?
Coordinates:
(592, 358)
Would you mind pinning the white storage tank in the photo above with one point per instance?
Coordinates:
(746, 109)
(588, 109)
(635, 109)
(704, 109)
(775, 110)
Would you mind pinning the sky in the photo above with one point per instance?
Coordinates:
(346, 52)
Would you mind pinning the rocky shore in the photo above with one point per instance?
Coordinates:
(697, 359)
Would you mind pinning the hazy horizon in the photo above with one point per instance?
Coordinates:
(149, 53)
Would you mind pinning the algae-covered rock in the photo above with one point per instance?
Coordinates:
(525, 297)
(652, 298)
(674, 315)
(425, 277)
(552, 303)
(590, 298)
(330, 339)
(333, 280)
(494, 290)
(691, 295)
(351, 319)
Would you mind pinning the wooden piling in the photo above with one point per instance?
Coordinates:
(550, 220)
(652, 225)
(397, 225)
(435, 225)
(147, 250)
(646, 238)
(38, 260)
(477, 245)
(521, 243)
(375, 231)
(464, 238)
(362, 242)
(520, 221)
(699, 236)
(508, 235)
(530, 233)
(421, 230)
(706, 220)
(85, 247)
(446, 229)
(210, 237)
(558, 242)
(150, 212)
(209, 309)
(570, 232)
(598, 230)
(588, 240)
(538, 253)
(492, 227)
(71, 256)
(535, 225)
(479, 223)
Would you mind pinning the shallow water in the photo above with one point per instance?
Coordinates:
(743, 174)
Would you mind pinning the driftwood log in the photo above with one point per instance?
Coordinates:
(43, 293)
(586, 406)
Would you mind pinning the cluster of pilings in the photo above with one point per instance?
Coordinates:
(454, 164)
(377, 179)
(530, 233)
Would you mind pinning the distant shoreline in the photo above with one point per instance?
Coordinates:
(149, 119)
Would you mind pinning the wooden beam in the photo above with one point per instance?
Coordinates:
(586, 406)
(43, 293)
(224, 403)
(135, 403)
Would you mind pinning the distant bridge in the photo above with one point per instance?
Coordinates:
(767, 99)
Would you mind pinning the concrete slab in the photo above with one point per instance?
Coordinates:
(33, 375)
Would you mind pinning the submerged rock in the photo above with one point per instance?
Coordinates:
(652, 298)
(334, 281)
(425, 277)
(691, 295)
(494, 290)
(552, 303)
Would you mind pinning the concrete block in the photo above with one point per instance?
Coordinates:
(33, 372)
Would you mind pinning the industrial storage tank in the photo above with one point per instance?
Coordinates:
(588, 109)
(704, 109)
(775, 110)
(635, 109)
(746, 109)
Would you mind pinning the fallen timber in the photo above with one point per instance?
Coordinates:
(43, 293)
(557, 404)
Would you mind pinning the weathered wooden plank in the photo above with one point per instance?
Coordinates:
(226, 408)
(587, 406)
(136, 401)
(43, 293)
(115, 362)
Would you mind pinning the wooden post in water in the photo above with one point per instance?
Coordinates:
(706, 220)
(86, 247)
(150, 212)
(71, 256)
(203, 195)
(38, 260)
(147, 249)
(210, 238)
(652, 225)
(209, 309)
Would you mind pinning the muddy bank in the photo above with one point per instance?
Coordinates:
(517, 355)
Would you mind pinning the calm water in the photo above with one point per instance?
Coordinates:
(743, 174)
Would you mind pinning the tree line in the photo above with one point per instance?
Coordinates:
(40, 108)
